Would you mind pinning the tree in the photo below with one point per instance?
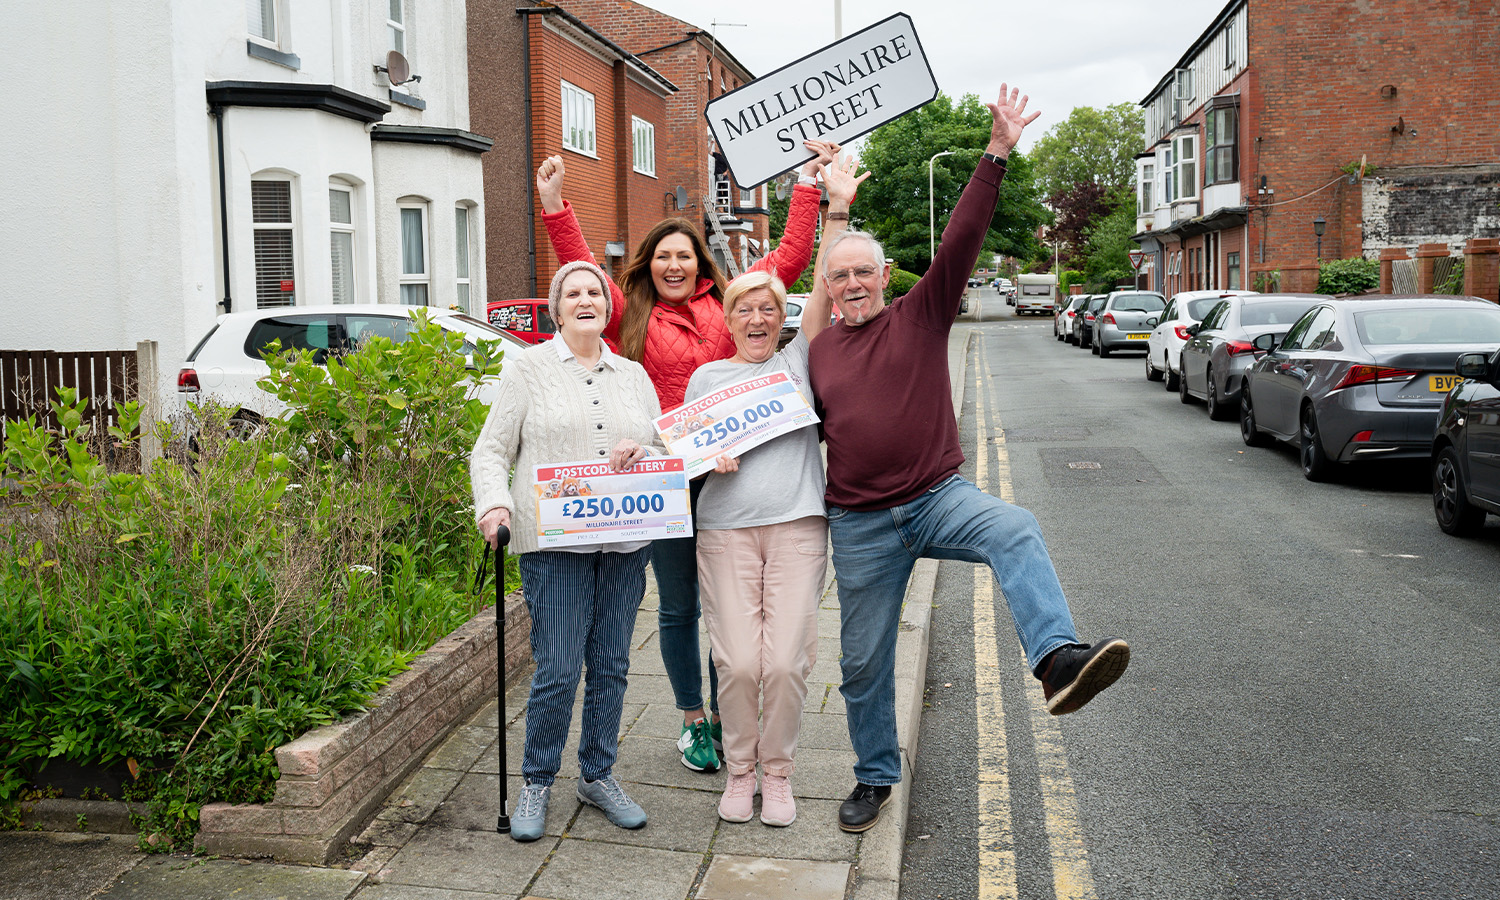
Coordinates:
(1077, 209)
(1108, 244)
(893, 204)
(1090, 145)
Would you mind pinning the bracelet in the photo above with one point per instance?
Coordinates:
(837, 216)
(806, 179)
(997, 160)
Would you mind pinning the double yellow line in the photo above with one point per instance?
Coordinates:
(1072, 878)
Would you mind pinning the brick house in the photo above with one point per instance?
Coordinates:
(1254, 139)
(702, 69)
(552, 85)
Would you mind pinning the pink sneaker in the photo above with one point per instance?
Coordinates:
(738, 803)
(776, 804)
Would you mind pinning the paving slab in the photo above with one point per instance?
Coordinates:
(591, 870)
(761, 878)
(814, 835)
(47, 866)
(462, 748)
(476, 861)
(176, 877)
(677, 819)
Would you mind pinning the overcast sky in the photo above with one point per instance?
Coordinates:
(1062, 53)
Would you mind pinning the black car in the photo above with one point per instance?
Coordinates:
(1466, 449)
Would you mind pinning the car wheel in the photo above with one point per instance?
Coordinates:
(1171, 378)
(1450, 497)
(1104, 350)
(1316, 465)
(1249, 432)
(1182, 391)
(1151, 373)
(1094, 344)
(1218, 410)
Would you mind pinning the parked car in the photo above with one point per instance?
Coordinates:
(1219, 349)
(226, 364)
(528, 319)
(1170, 331)
(793, 322)
(1086, 319)
(1062, 323)
(1121, 323)
(1364, 377)
(1466, 450)
(975, 281)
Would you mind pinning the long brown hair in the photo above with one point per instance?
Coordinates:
(640, 290)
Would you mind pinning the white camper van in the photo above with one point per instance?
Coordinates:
(1036, 294)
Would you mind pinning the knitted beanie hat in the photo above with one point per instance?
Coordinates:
(554, 295)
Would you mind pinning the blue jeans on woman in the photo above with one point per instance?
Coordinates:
(675, 562)
(873, 555)
(583, 608)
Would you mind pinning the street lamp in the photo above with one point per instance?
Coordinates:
(1318, 226)
(931, 210)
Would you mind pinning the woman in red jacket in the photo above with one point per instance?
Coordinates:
(667, 315)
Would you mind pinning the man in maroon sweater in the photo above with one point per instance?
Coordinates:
(894, 492)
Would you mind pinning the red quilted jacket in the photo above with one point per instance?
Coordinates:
(676, 345)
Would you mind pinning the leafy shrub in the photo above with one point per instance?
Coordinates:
(1348, 276)
(189, 620)
(902, 282)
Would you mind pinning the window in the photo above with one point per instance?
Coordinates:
(341, 242)
(414, 254)
(1221, 137)
(395, 26)
(262, 16)
(396, 329)
(315, 334)
(1185, 160)
(1233, 266)
(461, 253)
(643, 143)
(747, 198)
(1229, 45)
(1148, 176)
(578, 119)
(275, 251)
(1314, 322)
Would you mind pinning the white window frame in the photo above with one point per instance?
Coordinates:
(289, 226)
(1211, 152)
(579, 132)
(643, 145)
(1185, 167)
(463, 256)
(274, 8)
(424, 277)
(395, 26)
(1145, 193)
(336, 228)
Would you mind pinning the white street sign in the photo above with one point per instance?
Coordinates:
(837, 94)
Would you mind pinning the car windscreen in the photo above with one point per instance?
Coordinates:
(1140, 303)
(1274, 312)
(1429, 325)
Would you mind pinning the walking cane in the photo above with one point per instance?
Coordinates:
(502, 537)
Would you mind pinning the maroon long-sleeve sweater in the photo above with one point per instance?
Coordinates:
(882, 387)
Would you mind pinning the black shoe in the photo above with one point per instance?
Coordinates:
(862, 810)
(1072, 675)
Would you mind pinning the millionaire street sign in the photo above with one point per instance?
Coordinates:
(837, 94)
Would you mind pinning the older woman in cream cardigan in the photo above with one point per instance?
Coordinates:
(569, 399)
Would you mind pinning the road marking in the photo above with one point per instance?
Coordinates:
(1072, 877)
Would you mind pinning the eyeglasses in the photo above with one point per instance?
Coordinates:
(838, 276)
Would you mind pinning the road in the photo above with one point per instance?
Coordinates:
(1311, 706)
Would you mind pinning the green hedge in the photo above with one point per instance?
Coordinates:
(1348, 276)
(188, 621)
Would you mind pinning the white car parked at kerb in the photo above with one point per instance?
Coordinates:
(1170, 331)
(227, 363)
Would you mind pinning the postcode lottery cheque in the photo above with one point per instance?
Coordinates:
(734, 419)
(590, 503)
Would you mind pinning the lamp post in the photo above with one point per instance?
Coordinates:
(1318, 226)
(931, 209)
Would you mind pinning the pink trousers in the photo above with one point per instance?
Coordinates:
(760, 588)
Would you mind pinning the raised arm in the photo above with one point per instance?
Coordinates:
(842, 183)
(567, 235)
(793, 253)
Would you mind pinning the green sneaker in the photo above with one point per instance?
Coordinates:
(697, 746)
(716, 730)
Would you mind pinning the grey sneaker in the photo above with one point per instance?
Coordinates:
(607, 795)
(531, 813)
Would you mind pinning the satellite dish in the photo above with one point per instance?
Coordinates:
(681, 197)
(780, 190)
(397, 69)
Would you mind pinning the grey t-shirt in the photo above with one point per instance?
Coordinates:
(779, 481)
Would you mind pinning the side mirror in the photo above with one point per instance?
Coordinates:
(1473, 366)
(1194, 328)
(1151, 322)
(1265, 343)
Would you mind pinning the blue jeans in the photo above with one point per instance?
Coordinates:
(873, 555)
(583, 608)
(675, 563)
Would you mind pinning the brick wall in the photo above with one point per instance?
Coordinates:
(497, 110)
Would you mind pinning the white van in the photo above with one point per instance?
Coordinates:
(1036, 294)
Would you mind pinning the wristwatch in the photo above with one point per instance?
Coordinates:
(997, 160)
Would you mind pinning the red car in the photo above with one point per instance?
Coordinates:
(528, 320)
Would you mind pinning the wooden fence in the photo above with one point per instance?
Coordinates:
(107, 378)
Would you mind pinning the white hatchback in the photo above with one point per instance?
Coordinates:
(1170, 332)
(227, 363)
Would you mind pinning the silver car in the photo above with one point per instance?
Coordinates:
(1121, 323)
(1363, 378)
(1219, 350)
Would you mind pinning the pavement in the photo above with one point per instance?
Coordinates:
(435, 837)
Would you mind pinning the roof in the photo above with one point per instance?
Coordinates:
(548, 9)
(1208, 33)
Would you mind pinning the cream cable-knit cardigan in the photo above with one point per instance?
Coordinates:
(549, 411)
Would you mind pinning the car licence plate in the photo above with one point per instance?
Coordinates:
(1442, 384)
(1138, 337)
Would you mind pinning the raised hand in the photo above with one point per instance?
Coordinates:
(1010, 120)
(549, 184)
(842, 182)
(827, 152)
